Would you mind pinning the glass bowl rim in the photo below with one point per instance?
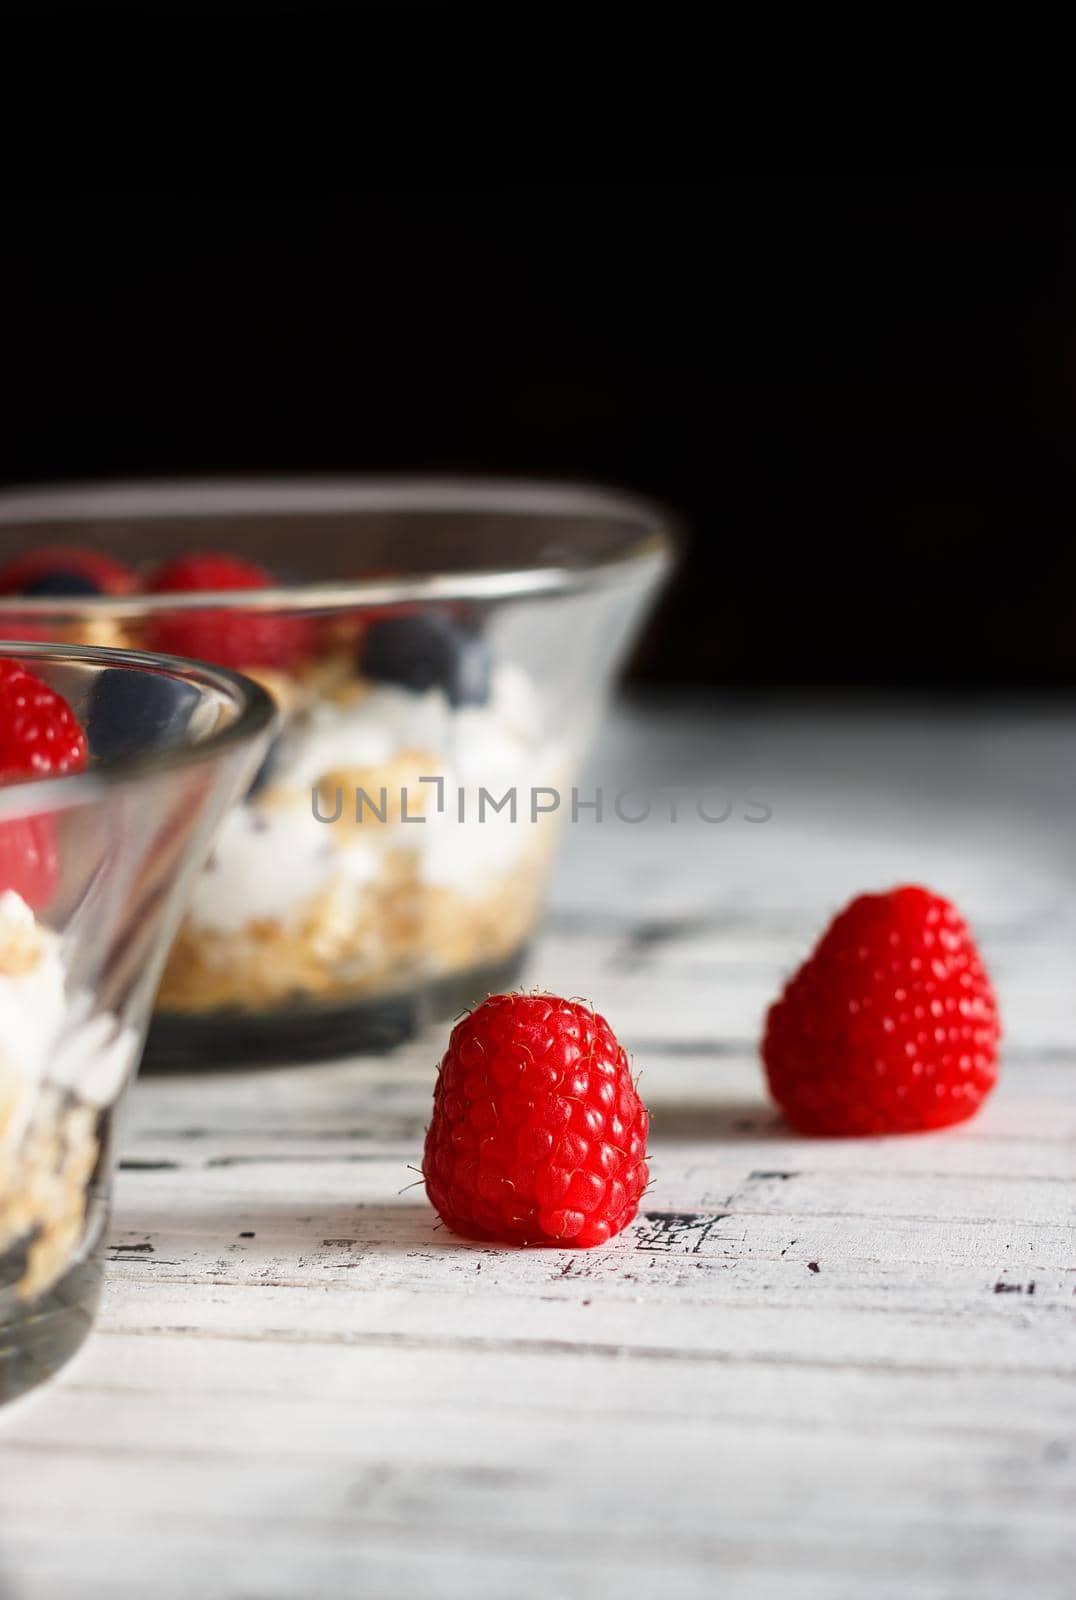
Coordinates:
(652, 545)
(257, 714)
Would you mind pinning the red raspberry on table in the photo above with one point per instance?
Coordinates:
(537, 1135)
(889, 1026)
(228, 638)
(39, 737)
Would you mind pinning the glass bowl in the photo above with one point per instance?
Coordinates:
(440, 653)
(94, 871)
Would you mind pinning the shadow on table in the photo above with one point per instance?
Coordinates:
(715, 1122)
(270, 1245)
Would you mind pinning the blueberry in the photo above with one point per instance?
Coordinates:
(135, 712)
(428, 650)
(60, 583)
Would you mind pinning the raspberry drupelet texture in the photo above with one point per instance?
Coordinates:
(538, 1135)
(890, 1026)
(40, 737)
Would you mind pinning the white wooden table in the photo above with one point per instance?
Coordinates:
(819, 1369)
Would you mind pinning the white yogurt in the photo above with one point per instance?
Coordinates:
(46, 1034)
(367, 733)
(32, 1003)
(469, 856)
(268, 862)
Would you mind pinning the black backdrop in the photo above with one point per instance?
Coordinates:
(858, 393)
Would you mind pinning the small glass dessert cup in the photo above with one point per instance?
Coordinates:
(440, 653)
(94, 870)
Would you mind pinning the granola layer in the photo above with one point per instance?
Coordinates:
(352, 945)
(60, 1068)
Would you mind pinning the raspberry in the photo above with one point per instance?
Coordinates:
(39, 733)
(229, 638)
(29, 860)
(889, 1026)
(39, 737)
(208, 569)
(537, 1134)
(65, 570)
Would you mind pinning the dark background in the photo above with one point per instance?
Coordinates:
(858, 392)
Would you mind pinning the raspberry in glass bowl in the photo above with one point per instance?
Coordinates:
(96, 851)
(440, 653)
